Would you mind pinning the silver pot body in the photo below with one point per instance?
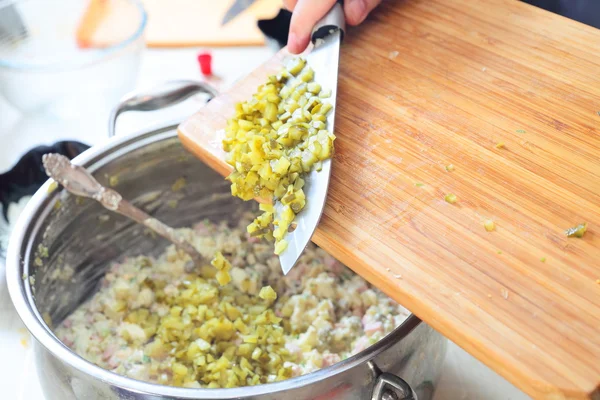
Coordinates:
(82, 240)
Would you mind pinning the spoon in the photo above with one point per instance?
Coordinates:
(78, 181)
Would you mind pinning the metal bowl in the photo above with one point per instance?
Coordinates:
(81, 248)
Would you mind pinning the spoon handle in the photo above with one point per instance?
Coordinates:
(78, 181)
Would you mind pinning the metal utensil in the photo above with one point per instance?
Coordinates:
(162, 96)
(414, 351)
(78, 181)
(12, 28)
(324, 60)
(238, 7)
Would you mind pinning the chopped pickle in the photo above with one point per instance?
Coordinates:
(307, 75)
(267, 293)
(272, 141)
(113, 181)
(489, 225)
(325, 94)
(450, 198)
(223, 266)
(52, 187)
(220, 262)
(280, 247)
(223, 277)
(314, 87)
(577, 231)
(296, 65)
(450, 168)
(179, 184)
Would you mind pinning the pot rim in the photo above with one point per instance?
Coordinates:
(20, 250)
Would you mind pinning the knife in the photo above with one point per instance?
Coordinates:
(324, 60)
(238, 7)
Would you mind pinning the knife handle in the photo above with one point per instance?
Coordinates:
(334, 20)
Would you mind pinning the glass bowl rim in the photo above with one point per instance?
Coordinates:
(72, 63)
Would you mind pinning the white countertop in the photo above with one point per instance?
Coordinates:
(463, 377)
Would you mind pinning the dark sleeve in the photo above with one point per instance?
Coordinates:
(584, 11)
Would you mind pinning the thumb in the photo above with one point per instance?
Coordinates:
(306, 14)
(357, 10)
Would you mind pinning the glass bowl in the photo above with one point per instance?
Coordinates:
(67, 55)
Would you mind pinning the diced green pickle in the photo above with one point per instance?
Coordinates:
(273, 139)
(577, 231)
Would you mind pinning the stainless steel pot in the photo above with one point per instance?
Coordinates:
(82, 239)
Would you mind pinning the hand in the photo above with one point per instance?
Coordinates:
(306, 13)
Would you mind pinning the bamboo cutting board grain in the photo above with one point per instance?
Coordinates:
(428, 83)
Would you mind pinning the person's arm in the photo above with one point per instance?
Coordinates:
(306, 13)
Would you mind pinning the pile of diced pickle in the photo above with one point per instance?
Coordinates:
(272, 141)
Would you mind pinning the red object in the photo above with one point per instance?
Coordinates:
(205, 61)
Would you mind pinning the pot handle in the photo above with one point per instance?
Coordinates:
(389, 386)
(162, 96)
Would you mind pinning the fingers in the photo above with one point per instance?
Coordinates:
(357, 10)
(289, 4)
(306, 14)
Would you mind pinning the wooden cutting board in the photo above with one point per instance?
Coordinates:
(175, 23)
(428, 83)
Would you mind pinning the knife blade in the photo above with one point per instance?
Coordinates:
(324, 60)
(238, 7)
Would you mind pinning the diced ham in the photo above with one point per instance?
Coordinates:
(294, 349)
(373, 327)
(333, 265)
(109, 351)
(366, 319)
(361, 288)
(201, 228)
(296, 370)
(114, 363)
(330, 359)
(360, 344)
(252, 239)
